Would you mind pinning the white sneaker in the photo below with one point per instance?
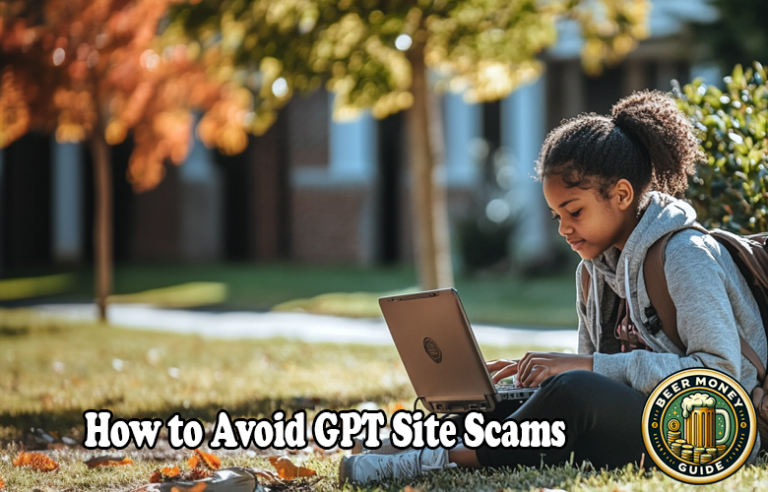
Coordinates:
(368, 467)
(386, 447)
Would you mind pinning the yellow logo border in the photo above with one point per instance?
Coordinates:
(663, 466)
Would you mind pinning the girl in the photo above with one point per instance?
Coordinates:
(609, 182)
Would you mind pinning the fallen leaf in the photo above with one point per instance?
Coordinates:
(2, 484)
(108, 461)
(172, 474)
(36, 461)
(196, 474)
(209, 460)
(167, 473)
(287, 470)
(408, 488)
(196, 488)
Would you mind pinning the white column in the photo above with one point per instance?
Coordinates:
(523, 126)
(462, 123)
(67, 202)
(201, 227)
(353, 149)
(353, 153)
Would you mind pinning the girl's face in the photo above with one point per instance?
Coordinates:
(589, 222)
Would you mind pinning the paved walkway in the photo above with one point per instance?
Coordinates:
(308, 327)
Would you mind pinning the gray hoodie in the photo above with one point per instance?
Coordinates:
(712, 299)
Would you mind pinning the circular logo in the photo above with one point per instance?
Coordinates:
(433, 351)
(699, 426)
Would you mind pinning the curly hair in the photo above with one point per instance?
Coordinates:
(646, 140)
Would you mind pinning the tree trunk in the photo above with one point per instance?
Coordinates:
(428, 196)
(102, 225)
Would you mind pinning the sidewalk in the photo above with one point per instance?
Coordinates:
(302, 326)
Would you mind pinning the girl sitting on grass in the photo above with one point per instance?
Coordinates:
(609, 181)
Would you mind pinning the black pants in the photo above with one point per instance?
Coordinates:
(603, 423)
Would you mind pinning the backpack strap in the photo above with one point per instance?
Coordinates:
(658, 290)
(748, 352)
(658, 293)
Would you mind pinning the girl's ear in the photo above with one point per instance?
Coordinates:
(624, 194)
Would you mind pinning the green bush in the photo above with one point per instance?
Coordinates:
(730, 190)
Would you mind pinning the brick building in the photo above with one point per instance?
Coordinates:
(316, 191)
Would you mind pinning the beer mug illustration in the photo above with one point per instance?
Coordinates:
(699, 415)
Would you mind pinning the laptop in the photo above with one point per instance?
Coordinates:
(439, 351)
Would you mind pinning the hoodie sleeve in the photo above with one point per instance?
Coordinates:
(586, 345)
(705, 321)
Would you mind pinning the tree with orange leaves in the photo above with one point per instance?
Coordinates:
(96, 71)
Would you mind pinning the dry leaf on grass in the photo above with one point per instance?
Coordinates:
(37, 461)
(167, 473)
(408, 488)
(196, 474)
(108, 461)
(2, 485)
(287, 470)
(173, 473)
(199, 457)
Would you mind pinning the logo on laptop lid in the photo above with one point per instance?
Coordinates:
(433, 351)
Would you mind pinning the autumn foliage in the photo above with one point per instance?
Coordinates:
(208, 460)
(79, 68)
(36, 461)
(287, 470)
(108, 461)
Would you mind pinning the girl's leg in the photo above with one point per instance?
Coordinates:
(603, 424)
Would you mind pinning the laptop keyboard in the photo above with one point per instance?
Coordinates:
(506, 387)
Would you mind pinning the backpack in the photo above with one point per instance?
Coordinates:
(750, 253)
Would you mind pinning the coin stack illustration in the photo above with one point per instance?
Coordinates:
(687, 452)
(697, 442)
(677, 447)
(720, 449)
(673, 431)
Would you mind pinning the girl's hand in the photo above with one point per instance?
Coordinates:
(505, 368)
(535, 367)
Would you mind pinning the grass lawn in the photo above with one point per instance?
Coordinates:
(506, 300)
(53, 371)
